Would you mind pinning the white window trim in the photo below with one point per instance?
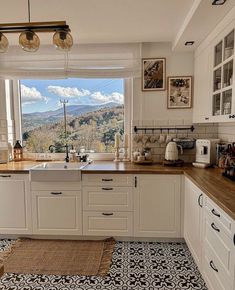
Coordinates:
(128, 99)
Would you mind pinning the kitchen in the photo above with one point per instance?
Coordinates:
(173, 222)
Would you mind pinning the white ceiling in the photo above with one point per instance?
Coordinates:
(113, 21)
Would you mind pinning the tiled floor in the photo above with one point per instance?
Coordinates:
(135, 265)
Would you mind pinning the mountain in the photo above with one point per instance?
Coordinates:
(34, 120)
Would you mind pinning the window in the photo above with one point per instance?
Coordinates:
(95, 112)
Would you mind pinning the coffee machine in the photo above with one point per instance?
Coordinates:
(205, 152)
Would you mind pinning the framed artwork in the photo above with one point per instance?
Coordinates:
(179, 92)
(153, 74)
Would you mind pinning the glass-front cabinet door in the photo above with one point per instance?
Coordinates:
(223, 79)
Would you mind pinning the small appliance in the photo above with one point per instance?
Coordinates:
(172, 153)
(205, 152)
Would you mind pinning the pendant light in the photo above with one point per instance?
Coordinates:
(4, 44)
(29, 40)
(63, 40)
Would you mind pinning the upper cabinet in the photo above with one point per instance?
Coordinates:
(214, 91)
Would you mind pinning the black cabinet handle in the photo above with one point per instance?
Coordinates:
(214, 227)
(56, 193)
(213, 266)
(107, 188)
(105, 179)
(107, 213)
(5, 176)
(135, 181)
(234, 239)
(199, 200)
(215, 212)
(206, 118)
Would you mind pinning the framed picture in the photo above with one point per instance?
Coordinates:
(179, 92)
(153, 74)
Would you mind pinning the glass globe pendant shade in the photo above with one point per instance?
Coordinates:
(63, 40)
(4, 44)
(29, 41)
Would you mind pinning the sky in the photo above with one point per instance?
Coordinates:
(45, 95)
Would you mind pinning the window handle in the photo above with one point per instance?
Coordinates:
(215, 212)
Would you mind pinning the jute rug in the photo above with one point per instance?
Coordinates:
(58, 257)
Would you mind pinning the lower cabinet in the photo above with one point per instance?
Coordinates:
(57, 212)
(15, 205)
(219, 248)
(157, 202)
(193, 214)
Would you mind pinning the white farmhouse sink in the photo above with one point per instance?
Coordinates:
(57, 171)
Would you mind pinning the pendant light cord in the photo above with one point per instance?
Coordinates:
(29, 11)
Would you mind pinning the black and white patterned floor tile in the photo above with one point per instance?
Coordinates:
(135, 265)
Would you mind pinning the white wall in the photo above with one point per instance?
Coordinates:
(153, 105)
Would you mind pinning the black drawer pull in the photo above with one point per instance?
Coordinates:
(107, 213)
(107, 188)
(104, 179)
(215, 213)
(214, 227)
(56, 193)
(5, 176)
(200, 200)
(213, 266)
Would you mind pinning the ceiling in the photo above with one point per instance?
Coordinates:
(116, 21)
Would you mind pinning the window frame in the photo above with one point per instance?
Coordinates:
(128, 97)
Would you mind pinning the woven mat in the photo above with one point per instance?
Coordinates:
(58, 257)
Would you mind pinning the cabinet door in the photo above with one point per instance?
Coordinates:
(202, 99)
(193, 200)
(157, 206)
(57, 212)
(14, 205)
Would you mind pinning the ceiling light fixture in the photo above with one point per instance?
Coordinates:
(188, 43)
(218, 2)
(29, 40)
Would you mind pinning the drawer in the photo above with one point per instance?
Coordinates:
(108, 223)
(220, 244)
(214, 272)
(219, 216)
(9, 176)
(108, 198)
(107, 179)
(55, 186)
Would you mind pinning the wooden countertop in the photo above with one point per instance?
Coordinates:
(210, 180)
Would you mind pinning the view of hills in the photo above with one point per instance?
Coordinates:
(92, 127)
(37, 119)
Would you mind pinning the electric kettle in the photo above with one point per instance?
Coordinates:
(172, 153)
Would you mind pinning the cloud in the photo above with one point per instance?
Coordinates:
(31, 95)
(84, 96)
(67, 92)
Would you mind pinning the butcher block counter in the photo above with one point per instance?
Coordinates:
(220, 189)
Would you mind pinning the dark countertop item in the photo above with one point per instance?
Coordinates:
(210, 180)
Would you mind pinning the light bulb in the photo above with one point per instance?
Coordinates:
(63, 40)
(29, 41)
(4, 44)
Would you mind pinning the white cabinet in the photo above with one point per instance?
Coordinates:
(15, 204)
(193, 213)
(107, 204)
(157, 200)
(214, 93)
(57, 208)
(219, 248)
